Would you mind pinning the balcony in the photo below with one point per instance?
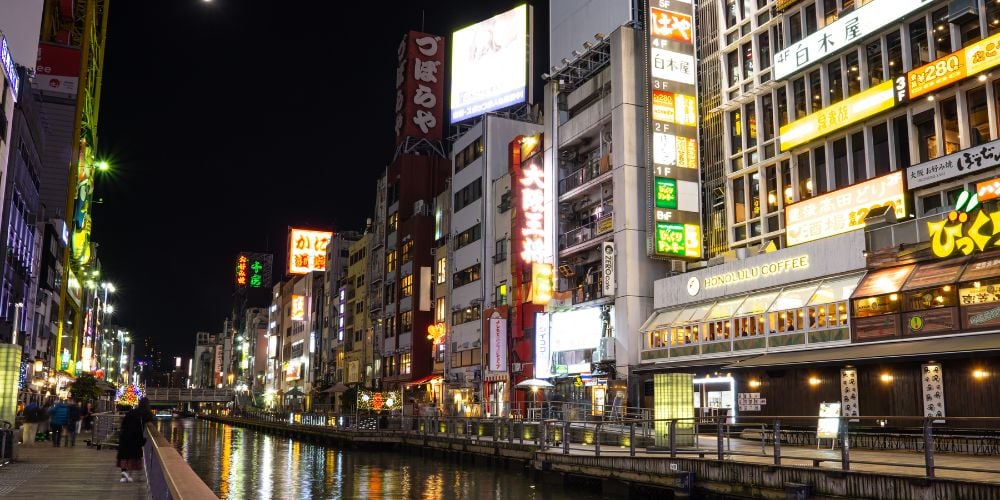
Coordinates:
(585, 293)
(594, 169)
(587, 235)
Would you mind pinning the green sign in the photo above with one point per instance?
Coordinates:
(666, 193)
(670, 238)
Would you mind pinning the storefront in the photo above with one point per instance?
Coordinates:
(568, 348)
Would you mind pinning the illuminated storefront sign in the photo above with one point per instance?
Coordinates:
(674, 201)
(253, 270)
(541, 283)
(298, 307)
(7, 61)
(533, 230)
(498, 344)
(967, 161)
(837, 116)
(953, 67)
(751, 273)
(608, 278)
(307, 250)
(967, 229)
(543, 352)
(293, 371)
(988, 190)
(378, 401)
(843, 210)
(847, 31)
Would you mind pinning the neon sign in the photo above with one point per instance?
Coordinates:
(541, 283)
(963, 232)
(7, 61)
(307, 250)
(533, 247)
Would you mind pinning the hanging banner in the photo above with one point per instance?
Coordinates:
(608, 269)
(933, 390)
(849, 392)
(543, 352)
(498, 344)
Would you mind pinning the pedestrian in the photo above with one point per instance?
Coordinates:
(72, 422)
(58, 415)
(87, 417)
(131, 439)
(33, 417)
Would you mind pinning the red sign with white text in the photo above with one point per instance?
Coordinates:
(420, 87)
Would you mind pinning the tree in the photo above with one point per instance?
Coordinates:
(84, 388)
(349, 400)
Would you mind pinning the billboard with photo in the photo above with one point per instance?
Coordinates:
(489, 64)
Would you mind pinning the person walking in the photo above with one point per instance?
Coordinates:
(58, 415)
(33, 417)
(87, 417)
(72, 422)
(131, 439)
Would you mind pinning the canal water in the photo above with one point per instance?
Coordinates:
(239, 463)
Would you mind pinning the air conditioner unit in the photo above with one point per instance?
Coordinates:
(420, 207)
(516, 367)
(605, 350)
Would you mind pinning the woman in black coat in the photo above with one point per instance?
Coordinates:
(131, 439)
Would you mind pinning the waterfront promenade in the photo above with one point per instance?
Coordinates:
(77, 472)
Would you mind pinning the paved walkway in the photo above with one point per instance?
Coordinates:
(77, 472)
(900, 463)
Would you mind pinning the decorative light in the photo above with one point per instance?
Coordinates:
(754, 383)
(980, 374)
(814, 381)
(886, 377)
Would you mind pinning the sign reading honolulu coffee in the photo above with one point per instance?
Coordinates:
(751, 273)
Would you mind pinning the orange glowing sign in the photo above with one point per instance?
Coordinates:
(671, 25)
(953, 67)
(988, 190)
(843, 210)
(676, 108)
(541, 283)
(298, 307)
(307, 250)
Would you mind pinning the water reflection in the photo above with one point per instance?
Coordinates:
(238, 463)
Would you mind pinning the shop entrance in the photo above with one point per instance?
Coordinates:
(715, 397)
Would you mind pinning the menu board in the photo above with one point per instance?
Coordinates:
(828, 426)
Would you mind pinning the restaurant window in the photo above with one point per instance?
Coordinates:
(920, 48)
(901, 132)
(786, 181)
(782, 107)
(736, 132)
(805, 179)
(794, 28)
(858, 156)
(829, 11)
(404, 363)
(949, 121)
(835, 79)
(819, 170)
(969, 30)
(926, 136)
(751, 127)
(931, 203)
(979, 116)
(895, 52)
(764, 44)
(771, 184)
(878, 293)
(839, 179)
(880, 149)
(942, 33)
(755, 194)
(982, 291)
(739, 200)
(876, 74)
(734, 67)
(876, 305)
(799, 95)
(853, 73)
(932, 298)
(810, 18)
(992, 17)
(815, 91)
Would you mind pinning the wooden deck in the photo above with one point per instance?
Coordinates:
(76, 472)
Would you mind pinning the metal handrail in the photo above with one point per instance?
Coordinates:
(584, 233)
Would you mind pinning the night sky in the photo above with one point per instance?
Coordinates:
(227, 121)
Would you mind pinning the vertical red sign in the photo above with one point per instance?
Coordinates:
(420, 87)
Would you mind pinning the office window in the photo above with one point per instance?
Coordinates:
(926, 137)
(771, 185)
(819, 170)
(442, 270)
(810, 19)
(876, 73)
(979, 116)
(949, 120)
(406, 321)
(390, 327)
(739, 200)
(799, 96)
(466, 276)
(853, 73)
(880, 148)
(733, 59)
(468, 236)
(406, 286)
(782, 107)
(465, 315)
(500, 250)
(468, 194)
(407, 251)
(392, 223)
(735, 132)
(751, 127)
(764, 42)
(390, 261)
(794, 22)
(858, 156)
(502, 294)
(755, 194)
(836, 81)
(404, 363)
(805, 178)
(439, 310)
(815, 91)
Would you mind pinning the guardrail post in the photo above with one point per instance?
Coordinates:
(672, 438)
(597, 440)
(845, 447)
(565, 437)
(510, 430)
(496, 429)
(777, 442)
(544, 435)
(718, 438)
(929, 446)
(631, 439)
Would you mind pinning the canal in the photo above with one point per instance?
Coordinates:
(239, 463)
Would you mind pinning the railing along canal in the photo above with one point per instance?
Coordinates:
(783, 440)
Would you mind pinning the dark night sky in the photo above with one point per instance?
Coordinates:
(228, 121)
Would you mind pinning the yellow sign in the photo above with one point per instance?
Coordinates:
(916, 323)
(606, 224)
(751, 273)
(307, 250)
(577, 381)
(953, 67)
(966, 229)
(541, 283)
(298, 307)
(843, 210)
(835, 117)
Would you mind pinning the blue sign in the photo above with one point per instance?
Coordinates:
(7, 61)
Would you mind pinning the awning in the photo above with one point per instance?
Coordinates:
(983, 266)
(689, 363)
(424, 380)
(860, 353)
(883, 281)
(933, 274)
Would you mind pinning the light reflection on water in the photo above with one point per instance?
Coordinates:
(239, 463)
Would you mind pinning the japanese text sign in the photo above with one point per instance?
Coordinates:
(420, 87)
(298, 308)
(253, 270)
(843, 210)
(7, 61)
(307, 250)
(541, 283)
(968, 161)
(837, 116)
(953, 67)
(846, 32)
(532, 205)
(988, 190)
(498, 344)
(968, 228)
(674, 197)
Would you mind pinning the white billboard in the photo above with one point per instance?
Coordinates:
(489, 65)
